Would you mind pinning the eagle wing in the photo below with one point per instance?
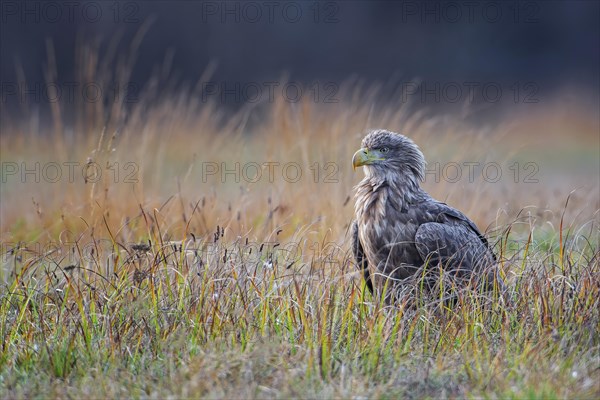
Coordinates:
(453, 242)
(359, 255)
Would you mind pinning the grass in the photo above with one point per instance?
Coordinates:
(180, 283)
(168, 323)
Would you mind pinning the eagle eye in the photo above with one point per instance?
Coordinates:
(384, 149)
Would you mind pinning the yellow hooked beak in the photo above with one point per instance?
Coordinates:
(365, 156)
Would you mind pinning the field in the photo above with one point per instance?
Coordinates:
(168, 248)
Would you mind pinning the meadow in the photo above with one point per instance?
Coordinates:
(170, 248)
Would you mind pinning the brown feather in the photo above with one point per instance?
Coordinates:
(400, 229)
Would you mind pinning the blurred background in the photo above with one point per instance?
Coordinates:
(441, 54)
(162, 90)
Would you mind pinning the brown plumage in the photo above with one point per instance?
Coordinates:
(400, 232)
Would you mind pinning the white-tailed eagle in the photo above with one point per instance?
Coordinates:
(400, 232)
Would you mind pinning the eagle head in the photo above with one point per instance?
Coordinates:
(384, 153)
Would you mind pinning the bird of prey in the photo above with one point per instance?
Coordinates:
(400, 232)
